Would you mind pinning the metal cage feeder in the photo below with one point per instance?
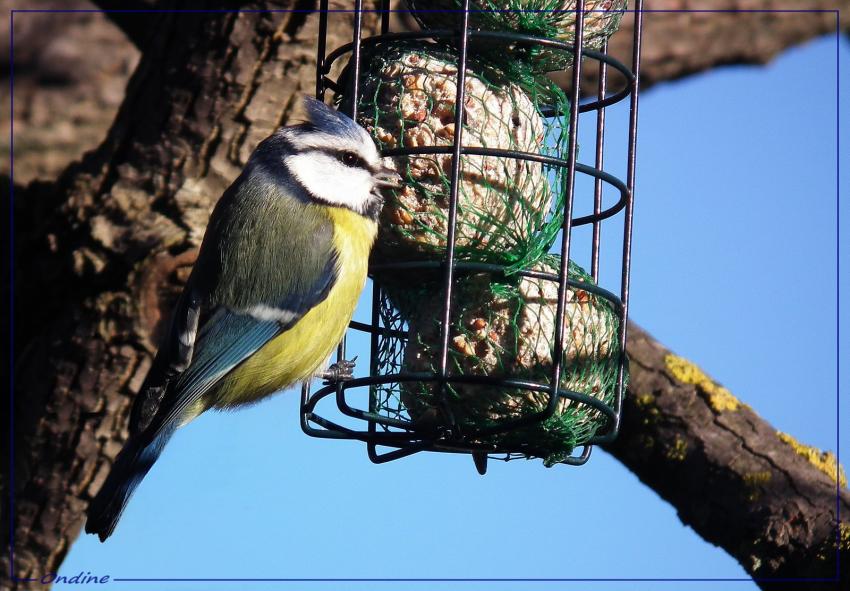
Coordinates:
(358, 408)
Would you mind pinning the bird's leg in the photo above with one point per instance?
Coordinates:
(339, 371)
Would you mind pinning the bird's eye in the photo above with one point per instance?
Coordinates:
(350, 159)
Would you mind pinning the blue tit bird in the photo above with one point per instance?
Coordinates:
(275, 284)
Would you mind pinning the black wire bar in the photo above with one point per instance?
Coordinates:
(392, 437)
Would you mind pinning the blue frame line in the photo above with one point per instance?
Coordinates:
(12, 13)
(837, 292)
(459, 580)
(12, 295)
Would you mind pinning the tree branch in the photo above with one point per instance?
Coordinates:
(679, 43)
(766, 499)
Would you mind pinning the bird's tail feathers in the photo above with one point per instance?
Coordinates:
(130, 467)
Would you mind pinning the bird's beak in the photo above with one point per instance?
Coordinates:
(387, 178)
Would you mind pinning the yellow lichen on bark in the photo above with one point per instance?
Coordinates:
(753, 483)
(645, 400)
(687, 372)
(830, 547)
(678, 451)
(824, 461)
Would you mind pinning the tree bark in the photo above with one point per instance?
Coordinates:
(765, 498)
(109, 244)
(678, 43)
(137, 26)
(117, 237)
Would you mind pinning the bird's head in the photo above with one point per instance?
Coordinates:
(332, 158)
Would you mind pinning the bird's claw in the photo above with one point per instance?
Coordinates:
(340, 371)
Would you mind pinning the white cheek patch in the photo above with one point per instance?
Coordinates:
(331, 181)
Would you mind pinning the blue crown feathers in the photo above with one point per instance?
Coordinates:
(331, 121)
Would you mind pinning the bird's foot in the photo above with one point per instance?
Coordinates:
(340, 371)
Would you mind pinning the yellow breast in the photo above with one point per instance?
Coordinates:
(295, 355)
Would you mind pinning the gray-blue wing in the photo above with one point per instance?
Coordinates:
(226, 339)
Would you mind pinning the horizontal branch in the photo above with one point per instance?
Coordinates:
(759, 494)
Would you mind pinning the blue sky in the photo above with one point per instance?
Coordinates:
(734, 267)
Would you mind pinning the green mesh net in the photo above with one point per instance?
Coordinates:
(553, 19)
(505, 204)
(502, 328)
